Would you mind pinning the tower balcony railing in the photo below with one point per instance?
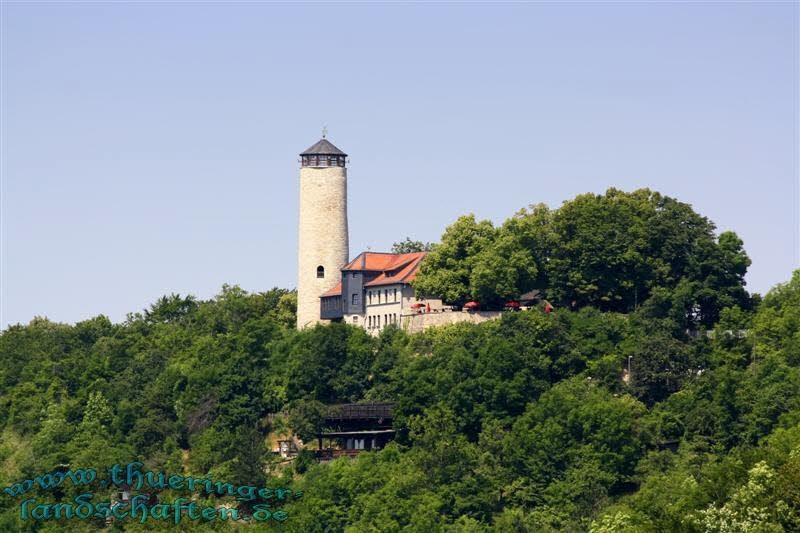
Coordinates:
(323, 160)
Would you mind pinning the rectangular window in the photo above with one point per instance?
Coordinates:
(395, 295)
(355, 299)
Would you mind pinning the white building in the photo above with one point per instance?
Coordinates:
(375, 291)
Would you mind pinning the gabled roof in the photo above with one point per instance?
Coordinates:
(382, 261)
(400, 274)
(391, 269)
(323, 147)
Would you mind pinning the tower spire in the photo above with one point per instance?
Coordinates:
(324, 131)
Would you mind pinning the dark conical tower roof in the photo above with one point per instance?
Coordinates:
(323, 147)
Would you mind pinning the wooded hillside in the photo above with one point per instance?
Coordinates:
(527, 423)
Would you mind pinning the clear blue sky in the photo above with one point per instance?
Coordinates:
(151, 148)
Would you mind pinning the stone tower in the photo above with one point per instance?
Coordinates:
(323, 242)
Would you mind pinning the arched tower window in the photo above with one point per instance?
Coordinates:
(320, 271)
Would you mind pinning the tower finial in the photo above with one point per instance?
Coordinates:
(324, 131)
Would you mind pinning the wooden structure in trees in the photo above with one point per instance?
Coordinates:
(354, 428)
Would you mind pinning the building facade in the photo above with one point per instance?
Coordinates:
(353, 428)
(323, 236)
(375, 291)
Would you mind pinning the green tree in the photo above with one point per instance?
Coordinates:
(572, 446)
(776, 327)
(172, 307)
(327, 363)
(306, 418)
(408, 246)
(446, 271)
(660, 365)
(502, 271)
(516, 261)
(612, 251)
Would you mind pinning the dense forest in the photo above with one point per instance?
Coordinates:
(527, 423)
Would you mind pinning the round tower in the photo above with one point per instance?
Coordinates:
(323, 241)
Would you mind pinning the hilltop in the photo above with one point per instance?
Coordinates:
(531, 422)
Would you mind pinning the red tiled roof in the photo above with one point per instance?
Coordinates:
(336, 291)
(393, 268)
(381, 261)
(404, 272)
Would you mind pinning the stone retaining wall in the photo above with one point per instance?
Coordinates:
(417, 322)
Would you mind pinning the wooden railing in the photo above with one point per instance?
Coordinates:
(360, 410)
